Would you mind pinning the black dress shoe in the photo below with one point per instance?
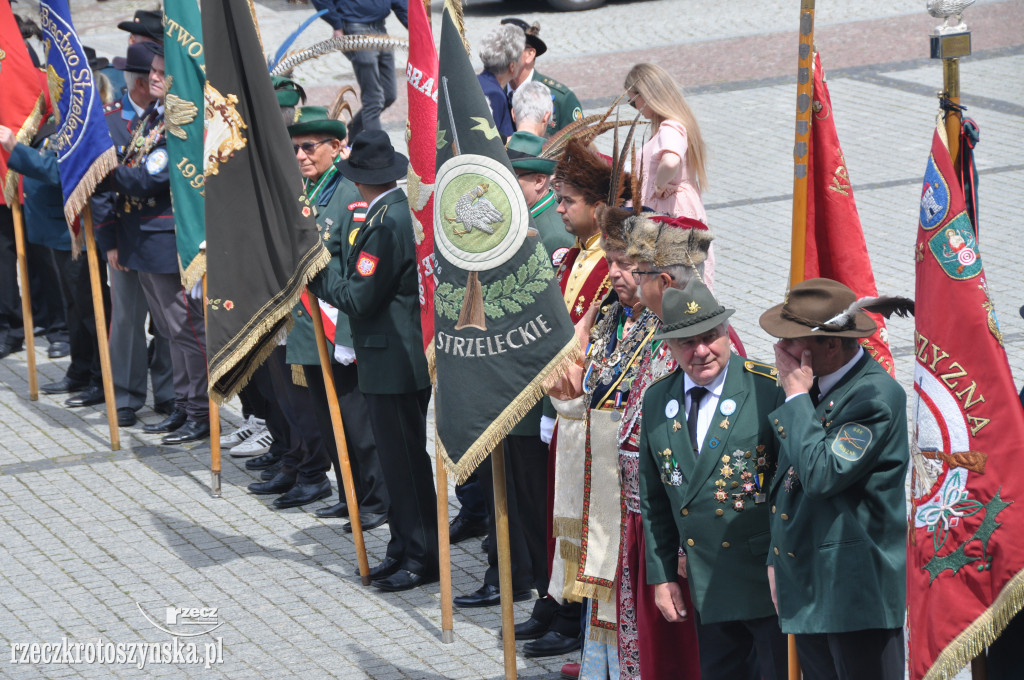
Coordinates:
(90, 397)
(488, 596)
(403, 579)
(126, 416)
(552, 643)
(386, 568)
(168, 424)
(192, 431)
(263, 462)
(9, 347)
(58, 350)
(339, 509)
(165, 408)
(65, 385)
(278, 485)
(367, 521)
(530, 629)
(271, 472)
(462, 529)
(304, 494)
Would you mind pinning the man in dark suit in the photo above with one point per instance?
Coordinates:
(379, 292)
(838, 502)
(706, 458)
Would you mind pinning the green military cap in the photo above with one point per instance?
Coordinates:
(289, 92)
(311, 120)
(690, 312)
(523, 151)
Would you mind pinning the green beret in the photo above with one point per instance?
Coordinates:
(311, 120)
(523, 151)
(288, 92)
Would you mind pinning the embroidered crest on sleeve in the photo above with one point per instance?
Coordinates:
(851, 441)
(156, 162)
(366, 265)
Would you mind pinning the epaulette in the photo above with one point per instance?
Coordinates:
(555, 85)
(112, 107)
(763, 370)
(667, 375)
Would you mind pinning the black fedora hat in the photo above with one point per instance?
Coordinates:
(139, 59)
(531, 31)
(373, 160)
(95, 63)
(147, 23)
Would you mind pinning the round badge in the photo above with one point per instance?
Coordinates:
(671, 409)
(728, 407)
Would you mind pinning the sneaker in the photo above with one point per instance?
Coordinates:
(255, 445)
(251, 426)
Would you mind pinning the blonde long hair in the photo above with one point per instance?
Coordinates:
(665, 100)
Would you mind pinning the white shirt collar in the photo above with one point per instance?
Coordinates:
(376, 200)
(139, 110)
(527, 79)
(827, 382)
(714, 388)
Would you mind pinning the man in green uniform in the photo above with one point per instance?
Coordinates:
(340, 212)
(534, 175)
(379, 292)
(838, 501)
(567, 105)
(706, 458)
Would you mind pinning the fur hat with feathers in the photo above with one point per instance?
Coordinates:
(590, 172)
(666, 241)
(613, 231)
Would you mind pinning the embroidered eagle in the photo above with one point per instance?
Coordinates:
(475, 212)
(178, 113)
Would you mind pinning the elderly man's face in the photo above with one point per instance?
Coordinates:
(157, 87)
(620, 274)
(315, 154)
(702, 357)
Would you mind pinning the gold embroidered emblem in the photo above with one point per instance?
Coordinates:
(840, 180)
(692, 307)
(676, 426)
(724, 424)
(178, 113)
(56, 85)
(224, 127)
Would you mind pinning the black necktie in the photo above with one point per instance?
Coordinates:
(815, 393)
(696, 395)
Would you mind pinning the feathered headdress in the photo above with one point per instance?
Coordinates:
(613, 231)
(666, 241)
(588, 171)
(902, 307)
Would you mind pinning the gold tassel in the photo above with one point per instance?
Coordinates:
(258, 338)
(194, 273)
(568, 527)
(606, 636)
(593, 591)
(25, 134)
(455, 11)
(100, 168)
(298, 375)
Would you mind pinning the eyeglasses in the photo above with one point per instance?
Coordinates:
(636, 275)
(632, 100)
(308, 147)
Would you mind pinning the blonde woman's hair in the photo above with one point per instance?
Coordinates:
(665, 101)
(108, 94)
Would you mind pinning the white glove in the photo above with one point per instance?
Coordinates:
(547, 429)
(197, 291)
(344, 355)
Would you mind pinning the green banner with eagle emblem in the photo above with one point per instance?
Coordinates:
(500, 325)
(183, 64)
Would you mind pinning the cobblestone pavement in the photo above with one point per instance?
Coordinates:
(97, 544)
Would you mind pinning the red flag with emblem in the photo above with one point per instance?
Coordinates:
(421, 74)
(835, 240)
(965, 560)
(23, 98)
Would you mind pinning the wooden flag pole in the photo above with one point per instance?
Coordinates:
(26, 300)
(801, 148)
(508, 621)
(339, 439)
(101, 327)
(214, 421)
(801, 165)
(444, 548)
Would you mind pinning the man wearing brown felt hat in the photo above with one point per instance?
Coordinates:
(838, 509)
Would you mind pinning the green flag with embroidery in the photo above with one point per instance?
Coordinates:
(186, 78)
(500, 325)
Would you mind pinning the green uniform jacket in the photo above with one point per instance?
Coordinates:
(340, 211)
(557, 242)
(725, 547)
(839, 522)
(379, 293)
(567, 106)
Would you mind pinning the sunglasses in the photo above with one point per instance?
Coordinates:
(308, 147)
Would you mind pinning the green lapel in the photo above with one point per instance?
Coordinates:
(710, 458)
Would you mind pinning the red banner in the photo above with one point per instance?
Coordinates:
(23, 103)
(835, 240)
(421, 73)
(965, 559)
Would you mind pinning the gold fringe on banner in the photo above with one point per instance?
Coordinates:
(594, 591)
(259, 336)
(606, 636)
(193, 274)
(570, 552)
(981, 633)
(511, 416)
(100, 168)
(25, 134)
(459, 19)
(569, 527)
(298, 376)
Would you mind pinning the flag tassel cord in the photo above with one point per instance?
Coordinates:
(513, 413)
(255, 337)
(26, 132)
(195, 271)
